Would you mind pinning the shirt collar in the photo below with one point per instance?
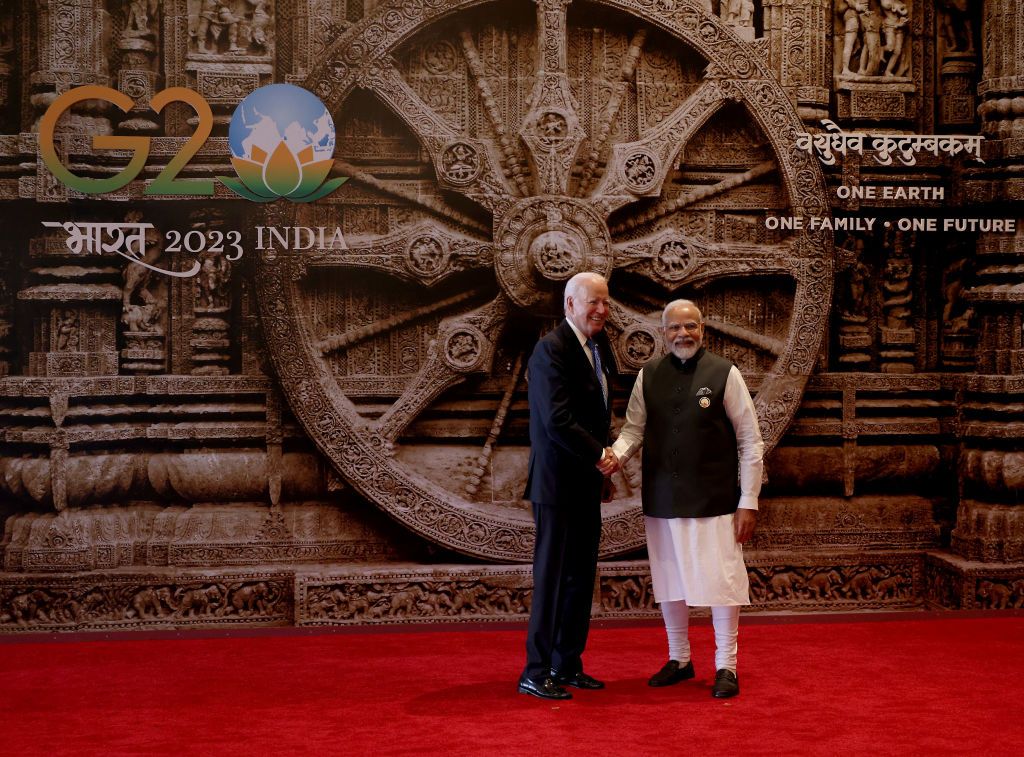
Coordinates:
(579, 334)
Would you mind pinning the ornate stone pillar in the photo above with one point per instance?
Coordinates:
(1002, 85)
(988, 540)
(137, 77)
(144, 313)
(72, 302)
(796, 37)
(958, 64)
(72, 44)
(202, 312)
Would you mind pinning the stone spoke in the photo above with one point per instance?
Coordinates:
(667, 207)
(512, 161)
(413, 198)
(355, 336)
(638, 169)
(747, 336)
(611, 108)
(464, 345)
(551, 129)
(483, 460)
(422, 254)
(462, 165)
(674, 259)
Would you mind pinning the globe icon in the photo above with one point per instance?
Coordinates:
(282, 145)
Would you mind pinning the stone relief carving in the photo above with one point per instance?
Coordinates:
(126, 604)
(874, 36)
(956, 25)
(491, 157)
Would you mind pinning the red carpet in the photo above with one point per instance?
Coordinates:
(927, 686)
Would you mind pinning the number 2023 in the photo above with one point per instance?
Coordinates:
(166, 182)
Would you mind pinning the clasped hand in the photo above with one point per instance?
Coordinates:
(609, 462)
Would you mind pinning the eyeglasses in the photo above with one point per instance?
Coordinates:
(691, 326)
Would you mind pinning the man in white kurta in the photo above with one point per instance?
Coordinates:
(696, 560)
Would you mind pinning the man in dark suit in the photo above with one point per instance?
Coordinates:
(569, 425)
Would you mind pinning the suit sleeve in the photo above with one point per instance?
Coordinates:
(551, 392)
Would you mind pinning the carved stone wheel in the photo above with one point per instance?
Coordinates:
(495, 150)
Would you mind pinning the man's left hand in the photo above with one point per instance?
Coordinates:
(743, 525)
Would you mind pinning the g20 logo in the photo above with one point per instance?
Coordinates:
(281, 138)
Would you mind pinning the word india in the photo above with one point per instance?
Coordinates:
(299, 238)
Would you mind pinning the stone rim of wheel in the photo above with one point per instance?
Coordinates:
(363, 451)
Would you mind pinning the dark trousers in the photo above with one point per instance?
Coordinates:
(564, 568)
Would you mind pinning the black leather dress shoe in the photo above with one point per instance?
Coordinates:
(672, 672)
(726, 684)
(579, 680)
(545, 689)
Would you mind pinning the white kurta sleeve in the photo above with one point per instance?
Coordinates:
(740, 409)
(632, 434)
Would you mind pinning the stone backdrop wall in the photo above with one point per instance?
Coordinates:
(338, 434)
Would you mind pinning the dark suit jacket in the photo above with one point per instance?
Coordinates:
(569, 423)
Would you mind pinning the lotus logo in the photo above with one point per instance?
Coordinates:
(282, 145)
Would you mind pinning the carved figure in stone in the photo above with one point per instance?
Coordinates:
(253, 598)
(67, 330)
(1018, 592)
(139, 17)
(460, 162)
(426, 255)
(92, 602)
(198, 601)
(850, 12)
(378, 609)
(152, 601)
(821, 584)
(144, 296)
(897, 297)
(258, 23)
(862, 585)
(993, 596)
(889, 588)
(896, 17)
(956, 313)
(758, 588)
(738, 12)
(469, 600)
(212, 281)
(403, 602)
(30, 606)
(871, 42)
(625, 594)
(854, 304)
(216, 21)
(782, 584)
(955, 25)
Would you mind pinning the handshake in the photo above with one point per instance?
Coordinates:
(609, 462)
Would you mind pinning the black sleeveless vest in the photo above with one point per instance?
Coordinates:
(690, 458)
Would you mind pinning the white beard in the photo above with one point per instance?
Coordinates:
(683, 352)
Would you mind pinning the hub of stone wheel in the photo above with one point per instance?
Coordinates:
(541, 242)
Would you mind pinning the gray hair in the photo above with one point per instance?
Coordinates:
(576, 283)
(679, 304)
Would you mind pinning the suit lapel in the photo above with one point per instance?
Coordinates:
(580, 362)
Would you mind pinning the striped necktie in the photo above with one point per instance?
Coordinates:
(598, 369)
